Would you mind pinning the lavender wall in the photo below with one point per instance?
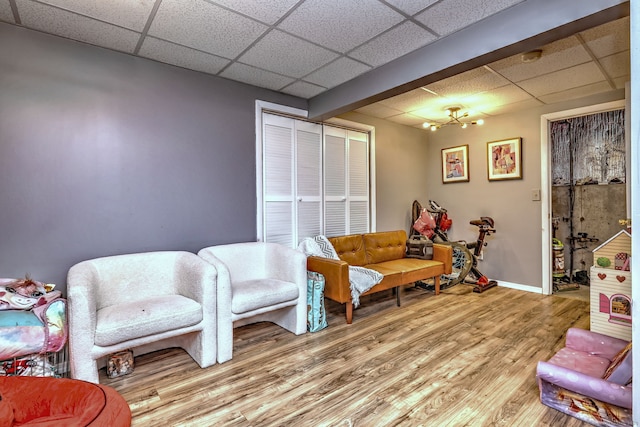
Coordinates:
(103, 153)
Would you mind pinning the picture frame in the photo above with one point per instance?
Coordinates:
(455, 164)
(504, 159)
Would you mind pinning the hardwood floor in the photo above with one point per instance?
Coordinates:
(456, 359)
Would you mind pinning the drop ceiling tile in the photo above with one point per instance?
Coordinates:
(267, 11)
(564, 53)
(284, 54)
(411, 7)
(378, 110)
(181, 56)
(563, 80)
(410, 101)
(255, 76)
(337, 72)
(303, 90)
(125, 13)
(608, 38)
(449, 16)
(576, 92)
(434, 112)
(485, 101)
(473, 81)
(498, 109)
(6, 14)
(340, 25)
(617, 65)
(407, 120)
(204, 26)
(56, 21)
(401, 40)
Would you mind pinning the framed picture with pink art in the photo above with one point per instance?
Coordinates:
(455, 164)
(504, 159)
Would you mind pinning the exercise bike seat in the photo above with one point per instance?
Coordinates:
(484, 221)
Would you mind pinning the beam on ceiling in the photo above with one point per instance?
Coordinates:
(522, 27)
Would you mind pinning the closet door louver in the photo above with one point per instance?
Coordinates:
(346, 182)
(278, 186)
(308, 180)
(358, 183)
(335, 182)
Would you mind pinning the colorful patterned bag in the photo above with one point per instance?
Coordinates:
(316, 314)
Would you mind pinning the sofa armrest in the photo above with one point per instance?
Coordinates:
(336, 276)
(444, 254)
(586, 385)
(594, 343)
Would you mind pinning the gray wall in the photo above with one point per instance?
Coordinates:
(103, 153)
(514, 253)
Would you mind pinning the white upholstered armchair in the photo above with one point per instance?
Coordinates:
(144, 301)
(257, 282)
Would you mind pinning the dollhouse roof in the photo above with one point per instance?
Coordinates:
(615, 236)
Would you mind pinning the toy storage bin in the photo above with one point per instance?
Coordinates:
(33, 342)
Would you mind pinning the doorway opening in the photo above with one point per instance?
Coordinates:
(583, 170)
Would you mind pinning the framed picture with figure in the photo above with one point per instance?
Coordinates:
(504, 159)
(455, 164)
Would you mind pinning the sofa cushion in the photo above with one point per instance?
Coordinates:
(384, 246)
(350, 249)
(392, 277)
(254, 294)
(148, 317)
(416, 269)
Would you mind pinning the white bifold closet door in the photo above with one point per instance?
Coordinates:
(315, 180)
(292, 183)
(346, 178)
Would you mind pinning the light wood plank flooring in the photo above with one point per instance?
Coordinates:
(456, 359)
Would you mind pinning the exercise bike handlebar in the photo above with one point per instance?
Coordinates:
(435, 207)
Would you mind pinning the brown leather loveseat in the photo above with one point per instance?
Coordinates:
(380, 251)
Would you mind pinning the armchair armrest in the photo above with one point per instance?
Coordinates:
(196, 279)
(286, 264)
(580, 383)
(594, 343)
(443, 253)
(336, 276)
(82, 283)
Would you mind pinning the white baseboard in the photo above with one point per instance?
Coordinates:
(520, 287)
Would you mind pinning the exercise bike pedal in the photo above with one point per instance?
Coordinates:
(479, 288)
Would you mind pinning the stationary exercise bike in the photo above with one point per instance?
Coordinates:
(433, 223)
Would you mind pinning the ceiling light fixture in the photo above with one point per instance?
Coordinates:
(455, 118)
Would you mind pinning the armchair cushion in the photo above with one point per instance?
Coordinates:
(145, 318)
(252, 295)
(587, 363)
